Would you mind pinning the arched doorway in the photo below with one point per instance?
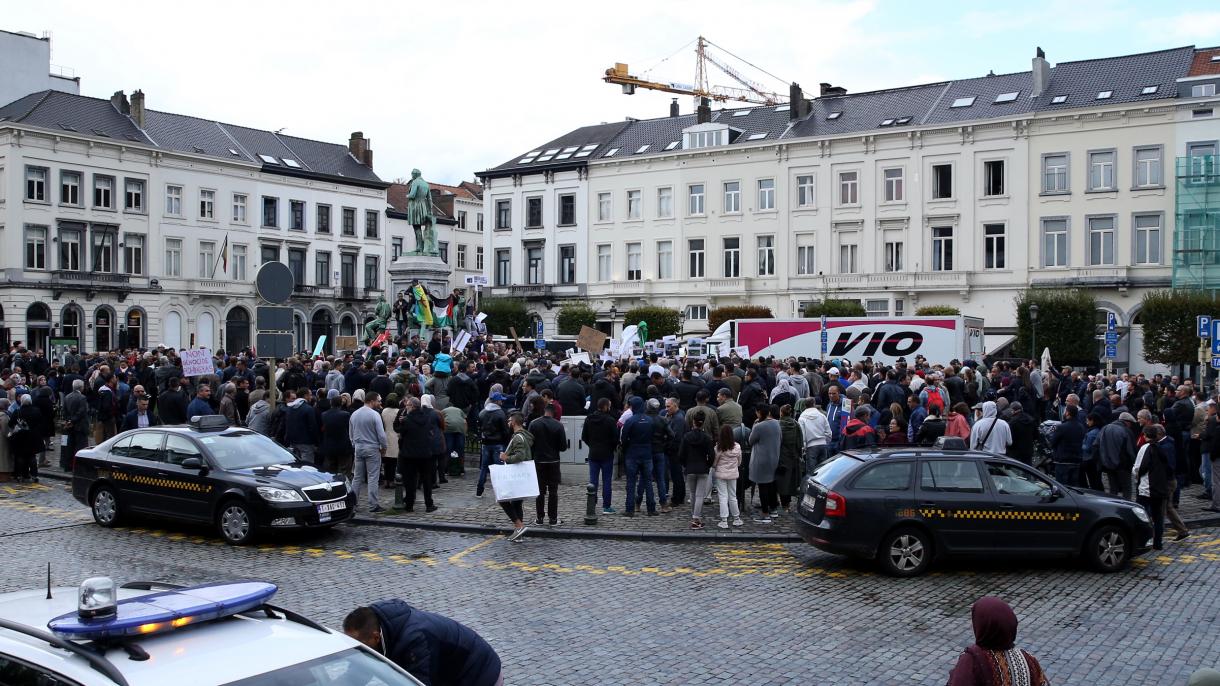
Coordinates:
(171, 336)
(38, 327)
(206, 331)
(322, 324)
(237, 330)
(103, 329)
(347, 325)
(134, 337)
(70, 325)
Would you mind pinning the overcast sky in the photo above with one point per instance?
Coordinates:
(456, 88)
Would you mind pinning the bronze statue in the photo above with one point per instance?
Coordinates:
(419, 215)
(381, 316)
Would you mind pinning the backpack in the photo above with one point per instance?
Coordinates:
(935, 399)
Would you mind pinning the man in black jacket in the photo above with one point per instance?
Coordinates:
(172, 403)
(571, 394)
(607, 387)
(549, 440)
(600, 433)
(1068, 444)
(494, 435)
(433, 648)
(1024, 431)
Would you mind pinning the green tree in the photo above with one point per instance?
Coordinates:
(1168, 318)
(835, 308)
(719, 315)
(1067, 324)
(937, 311)
(662, 321)
(503, 313)
(572, 317)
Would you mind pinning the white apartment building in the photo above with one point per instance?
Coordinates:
(960, 193)
(125, 226)
(28, 69)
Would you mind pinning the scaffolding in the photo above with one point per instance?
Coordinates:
(1196, 236)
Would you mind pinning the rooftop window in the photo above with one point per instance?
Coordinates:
(589, 148)
(756, 136)
(546, 158)
(963, 102)
(196, 148)
(1059, 99)
(887, 122)
(291, 163)
(552, 151)
(611, 152)
(533, 153)
(584, 153)
(782, 108)
(742, 113)
(66, 127)
(525, 160)
(643, 148)
(1216, 57)
(1104, 95)
(1006, 97)
(571, 149)
(234, 152)
(672, 145)
(834, 115)
(563, 156)
(903, 120)
(101, 133)
(1149, 90)
(268, 159)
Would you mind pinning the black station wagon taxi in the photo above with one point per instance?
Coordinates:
(237, 479)
(905, 507)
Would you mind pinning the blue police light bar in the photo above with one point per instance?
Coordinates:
(166, 611)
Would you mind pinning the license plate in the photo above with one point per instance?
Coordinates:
(331, 507)
(809, 501)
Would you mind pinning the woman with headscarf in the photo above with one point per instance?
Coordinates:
(783, 393)
(994, 660)
(791, 449)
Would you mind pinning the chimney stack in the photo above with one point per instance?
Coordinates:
(1041, 73)
(119, 102)
(827, 89)
(703, 113)
(673, 108)
(137, 108)
(798, 106)
(358, 146)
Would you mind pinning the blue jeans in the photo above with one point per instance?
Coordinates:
(660, 476)
(641, 469)
(489, 455)
(1067, 473)
(1205, 471)
(814, 455)
(605, 470)
(455, 443)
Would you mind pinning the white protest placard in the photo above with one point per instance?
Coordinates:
(682, 351)
(480, 317)
(725, 349)
(669, 339)
(742, 351)
(579, 358)
(197, 362)
(628, 344)
(462, 340)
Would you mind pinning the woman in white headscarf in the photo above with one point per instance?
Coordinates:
(783, 393)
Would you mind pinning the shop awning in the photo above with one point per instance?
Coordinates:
(993, 342)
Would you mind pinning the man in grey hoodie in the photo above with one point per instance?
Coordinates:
(259, 417)
(990, 433)
(334, 379)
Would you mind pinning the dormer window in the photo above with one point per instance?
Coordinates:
(705, 136)
(1059, 99)
(1104, 95)
(1149, 90)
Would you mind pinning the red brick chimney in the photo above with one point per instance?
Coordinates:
(358, 145)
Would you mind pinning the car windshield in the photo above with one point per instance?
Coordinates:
(242, 450)
(830, 472)
(353, 667)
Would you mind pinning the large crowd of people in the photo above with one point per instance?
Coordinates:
(711, 432)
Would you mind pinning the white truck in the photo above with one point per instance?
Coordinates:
(883, 339)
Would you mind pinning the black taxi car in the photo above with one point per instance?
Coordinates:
(237, 479)
(906, 506)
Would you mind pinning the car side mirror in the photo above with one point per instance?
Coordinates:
(1056, 493)
(192, 463)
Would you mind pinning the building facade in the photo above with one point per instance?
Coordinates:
(960, 193)
(129, 227)
(28, 69)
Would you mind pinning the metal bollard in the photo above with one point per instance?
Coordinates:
(591, 506)
(398, 494)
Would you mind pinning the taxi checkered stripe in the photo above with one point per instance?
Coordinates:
(163, 483)
(1001, 514)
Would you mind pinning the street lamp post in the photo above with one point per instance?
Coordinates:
(613, 318)
(1033, 331)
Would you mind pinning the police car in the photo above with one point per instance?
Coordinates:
(156, 634)
(237, 479)
(906, 506)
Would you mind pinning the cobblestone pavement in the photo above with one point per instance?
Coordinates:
(609, 612)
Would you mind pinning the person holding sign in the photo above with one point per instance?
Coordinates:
(520, 449)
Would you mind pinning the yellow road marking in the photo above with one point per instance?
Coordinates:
(456, 559)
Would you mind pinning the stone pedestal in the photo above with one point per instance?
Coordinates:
(431, 271)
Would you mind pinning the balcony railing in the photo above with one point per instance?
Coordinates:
(92, 278)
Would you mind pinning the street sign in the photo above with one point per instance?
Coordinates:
(274, 282)
(539, 341)
(1111, 352)
(273, 318)
(1215, 336)
(1204, 324)
(1111, 338)
(825, 336)
(1216, 363)
(476, 280)
(277, 345)
(1111, 322)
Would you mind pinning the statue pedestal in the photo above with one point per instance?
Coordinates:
(430, 270)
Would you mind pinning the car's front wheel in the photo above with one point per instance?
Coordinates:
(105, 506)
(1108, 549)
(235, 522)
(905, 552)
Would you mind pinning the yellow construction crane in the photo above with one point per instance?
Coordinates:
(750, 91)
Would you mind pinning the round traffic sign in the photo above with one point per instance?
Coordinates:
(274, 282)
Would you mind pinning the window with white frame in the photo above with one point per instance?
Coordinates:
(71, 249)
(1101, 170)
(533, 264)
(36, 184)
(173, 257)
(461, 216)
(479, 221)
(634, 201)
(133, 195)
(103, 192)
(240, 254)
(1101, 240)
(695, 196)
(240, 200)
(1147, 238)
(635, 261)
(1055, 242)
(478, 257)
(504, 267)
(396, 247)
(133, 254)
(104, 257)
(605, 205)
(806, 264)
(665, 259)
(849, 254)
(504, 214)
(766, 194)
(697, 255)
(567, 211)
(805, 190)
(899, 307)
(942, 248)
(35, 247)
(605, 262)
(207, 259)
(322, 218)
(732, 196)
(69, 188)
(766, 255)
(696, 312)
(849, 188)
(321, 273)
(942, 181)
(893, 184)
(995, 247)
(993, 177)
(732, 258)
(567, 264)
(665, 202)
(207, 204)
(894, 247)
(461, 256)
(1203, 90)
(1055, 173)
(372, 272)
(533, 213)
(1148, 167)
(173, 200)
(877, 308)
